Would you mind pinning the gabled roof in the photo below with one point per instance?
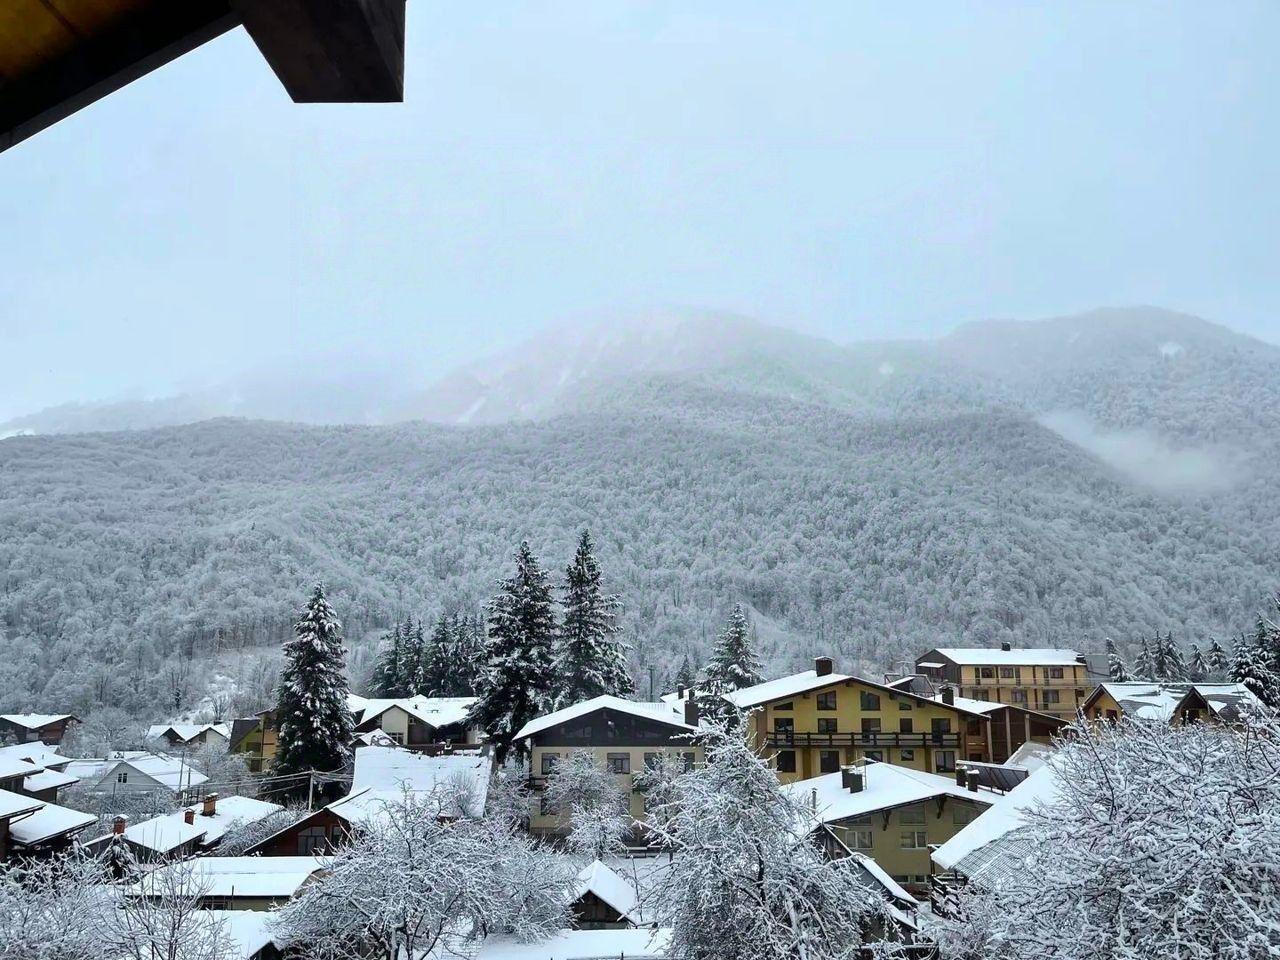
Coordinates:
(664, 713)
(885, 787)
(171, 831)
(35, 752)
(35, 721)
(987, 707)
(969, 851)
(1148, 700)
(11, 767)
(241, 727)
(434, 711)
(580, 945)
(186, 732)
(167, 771)
(47, 822)
(382, 775)
(808, 681)
(247, 932)
(238, 876)
(12, 804)
(48, 780)
(1029, 656)
(599, 879)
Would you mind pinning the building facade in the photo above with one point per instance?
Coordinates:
(1043, 680)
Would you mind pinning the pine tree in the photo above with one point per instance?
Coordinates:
(415, 659)
(468, 657)
(315, 722)
(520, 669)
(1254, 668)
(1175, 667)
(733, 666)
(389, 670)
(590, 659)
(686, 677)
(1198, 666)
(1144, 667)
(1115, 663)
(438, 651)
(1217, 659)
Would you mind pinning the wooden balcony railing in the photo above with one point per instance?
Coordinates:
(870, 739)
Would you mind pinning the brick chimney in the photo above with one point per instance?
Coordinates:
(822, 666)
(119, 824)
(1006, 646)
(949, 696)
(188, 816)
(691, 712)
(210, 806)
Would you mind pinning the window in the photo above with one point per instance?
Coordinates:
(651, 760)
(122, 776)
(914, 840)
(784, 706)
(827, 701)
(1051, 696)
(858, 839)
(940, 725)
(396, 736)
(905, 705)
(908, 756)
(973, 728)
(828, 725)
(1019, 695)
(1055, 673)
(1112, 715)
(786, 761)
(618, 762)
(547, 808)
(869, 701)
(828, 761)
(784, 725)
(688, 759)
(1006, 673)
(905, 726)
(911, 815)
(313, 840)
(944, 761)
(981, 693)
(549, 761)
(962, 815)
(987, 673)
(870, 724)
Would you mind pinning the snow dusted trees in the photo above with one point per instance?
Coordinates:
(392, 671)
(734, 664)
(597, 809)
(590, 659)
(519, 680)
(1162, 842)
(1254, 667)
(445, 663)
(411, 886)
(1115, 663)
(315, 723)
(745, 882)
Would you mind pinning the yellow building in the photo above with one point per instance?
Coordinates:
(256, 738)
(815, 722)
(623, 735)
(1044, 680)
(892, 814)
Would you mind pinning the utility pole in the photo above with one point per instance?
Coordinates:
(311, 789)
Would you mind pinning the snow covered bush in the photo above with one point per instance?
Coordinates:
(1163, 841)
(745, 882)
(597, 808)
(51, 910)
(409, 884)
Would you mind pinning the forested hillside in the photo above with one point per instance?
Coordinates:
(942, 512)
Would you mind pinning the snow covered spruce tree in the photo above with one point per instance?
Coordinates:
(519, 679)
(745, 880)
(686, 677)
(590, 659)
(1254, 668)
(315, 722)
(733, 666)
(598, 811)
(411, 886)
(1115, 663)
(1161, 841)
(1144, 667)
(391, 669)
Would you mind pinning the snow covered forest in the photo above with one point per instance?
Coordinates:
(860, 502)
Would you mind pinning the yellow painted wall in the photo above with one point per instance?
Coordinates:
(1104, 702)
(1072, 689)
(894, 707)
(539, 822)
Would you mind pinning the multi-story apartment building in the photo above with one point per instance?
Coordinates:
(624, 736)
(815, 722)
(1043, 680)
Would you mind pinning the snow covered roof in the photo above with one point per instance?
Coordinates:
(383, 774)
(877, 873)
(247, 932)
(1005, 817)
(186, 732)
(35, 752)
(12, 804)
(988, 657)
(580, 945)
(1030, 756)
(34, 721)
(12, 767)
(1158, 701)
(167, 771)
(599, 879)
(170, 831)
(661, 712)
(238, 876)
(48, 780)
(968, 703)
(433, 711)
(885, 786)
(791, 686)
(47, 822)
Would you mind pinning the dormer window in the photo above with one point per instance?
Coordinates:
(785, 706)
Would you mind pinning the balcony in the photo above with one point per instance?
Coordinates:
(868, 740)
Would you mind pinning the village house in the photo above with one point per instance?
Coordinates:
(139, 771)
(48, 728)
(817, 721)
(34, 770)
(233, 883)
(603, 900)
(1172, 702)
(196, 829)
(457, 782)
(624, 736)
(255, 738)
(191, 735)
(1044, 680)
(31, 827)
(1005, 727)
(892, 814)
(419, 723)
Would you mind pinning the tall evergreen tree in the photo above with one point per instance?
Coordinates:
(438, 651)
(686, 677)
(389, 669)
(1218, 660)
(415, 658)
(469, 656)
(1175, 666)
(1115, 663)
(1144, 667)
(1254, 668)
(519, 675)
(1197, 666)
(590, 659)
(733, 666)
(315, 722)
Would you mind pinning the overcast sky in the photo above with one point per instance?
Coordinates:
(854, 170)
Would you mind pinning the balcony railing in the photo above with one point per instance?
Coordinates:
(866, 739)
